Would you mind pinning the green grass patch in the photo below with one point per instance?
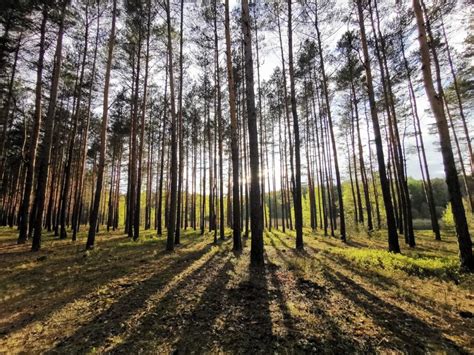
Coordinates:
(416, 265)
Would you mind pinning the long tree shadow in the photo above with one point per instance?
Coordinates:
(112, 321)
(290, 327)
(406, 332)
(185, 319)
(330, 337)
(384, 283)
(50, 248)
(67, 286)
(279, 235)
(181, 314)
(248, 321)
(200, 325)
(293, 250)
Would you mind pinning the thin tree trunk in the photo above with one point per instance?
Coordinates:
(331, 131)
(404, 197)
(360, 218)
(174, 158)
(83, 151)
(68, 167)
(6, 107)
(45, 152)
(460, 105)
(287, 109)
(234, 137)
(297, 193)
(219, 128)
(393, 245)
(159, 231)
(137, 213)
(103, 136)
(370, 226)
(31, 155)
(180, 131)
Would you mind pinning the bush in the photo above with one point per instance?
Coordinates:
(448, 218)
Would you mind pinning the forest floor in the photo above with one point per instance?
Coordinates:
(129, 297)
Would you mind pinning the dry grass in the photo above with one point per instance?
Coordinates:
(130, 297)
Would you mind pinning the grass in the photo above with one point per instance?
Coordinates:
(127, 296)
(444, 267)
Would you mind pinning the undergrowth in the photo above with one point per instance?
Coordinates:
(416, 265)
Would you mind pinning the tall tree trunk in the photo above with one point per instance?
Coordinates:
(460, 104)
(256, 251)
(349, 166)
(149, 175)
(360, 218)
(103, 136)
(203, 195)
(186, 190)
(244, 144)
(404, 195)
(83, 151)
(311, 187)
(287, 111)
(331, 130)
(358, 206)
(458, 151)
(180, 130)
(162, 155)
(219, 127)
(31, 154)
(137, 213)
(234, 137)
(422, 158)
(45, 152)
(134, 223)
(174, 158)
(370, 226)
(393, 245)
(110, 204)
(260, 116)
(297, 192)
(68, 167)
(7, 105)
(436, 103)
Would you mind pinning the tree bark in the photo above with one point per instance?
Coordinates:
(331, 131)
(234, 137)
(256, 251)
(45, 152)
(436, 103)
(137, 213)
(174, 158)
(297, 193)
(31, 154)
(103, 136)
(393, 245)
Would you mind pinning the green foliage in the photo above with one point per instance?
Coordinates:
(418, 198)
(448, 218)
(422, 266)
